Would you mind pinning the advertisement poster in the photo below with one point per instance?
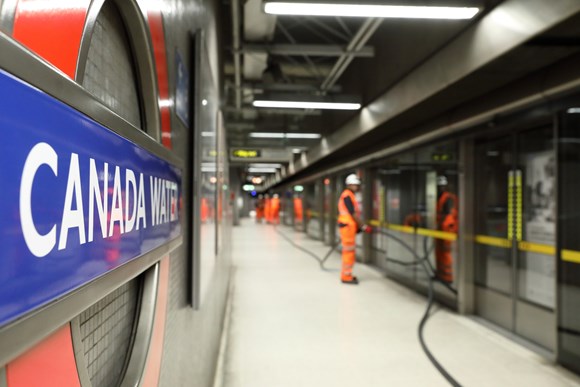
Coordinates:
(537, 274)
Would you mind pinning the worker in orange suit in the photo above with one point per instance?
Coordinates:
(298, 216)
(447, 220)
(275, 209)
(349, 224)
(259, 209)
(267, 207)
(204, 210)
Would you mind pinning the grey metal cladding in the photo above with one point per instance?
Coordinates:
(109, 71)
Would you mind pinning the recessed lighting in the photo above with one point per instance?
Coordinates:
(368, 10)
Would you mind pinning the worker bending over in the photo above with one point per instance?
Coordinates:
(349, 224)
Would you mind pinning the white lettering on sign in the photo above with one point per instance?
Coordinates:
(41, 154)
(126, 210)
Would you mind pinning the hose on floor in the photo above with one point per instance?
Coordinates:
(418, 261)
(310, 253)
(431, 275)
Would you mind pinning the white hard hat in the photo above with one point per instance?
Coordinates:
(441, 180)
(352, 179)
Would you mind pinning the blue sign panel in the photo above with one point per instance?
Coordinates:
(76, 199)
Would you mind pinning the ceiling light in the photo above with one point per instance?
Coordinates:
(265, 165)
(303, 135)
(266, 135)
(573, 110)
(297, 150)
(207, 134)
(368, 10)
(285, 135)
(262, 170)
(307, 105)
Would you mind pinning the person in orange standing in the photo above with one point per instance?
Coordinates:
(275, 209)
(259, 209)
(447, 220)
(298, 216)
(349, 224)
(204, 210)
(267, 208)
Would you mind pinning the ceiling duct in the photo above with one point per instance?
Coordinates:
(258, 27)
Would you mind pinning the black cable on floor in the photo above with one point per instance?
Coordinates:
(310, 253)
(429, 270)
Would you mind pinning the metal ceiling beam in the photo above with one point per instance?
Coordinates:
(237, 56)
(358, 41)
(307, 49)
(288, 87)
(504, 29)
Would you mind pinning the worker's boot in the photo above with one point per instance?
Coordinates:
(352, 280)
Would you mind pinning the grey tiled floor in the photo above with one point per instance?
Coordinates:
(291, 324)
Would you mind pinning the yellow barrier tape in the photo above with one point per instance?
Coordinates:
(448, 236)
(536, 248)
(493, 241)
(396, 227)
(571, 256)
(313, 214)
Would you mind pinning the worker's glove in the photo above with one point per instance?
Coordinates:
(366, 229)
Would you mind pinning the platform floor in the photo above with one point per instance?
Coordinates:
(292, 324)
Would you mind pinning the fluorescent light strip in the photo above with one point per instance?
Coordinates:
(265, 165)
(285, 135)
(266, 135)
(303, 135)
(262, 170)
(207, 134)
(307, 105)
(367, 10)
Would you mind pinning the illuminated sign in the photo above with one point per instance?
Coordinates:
(442, 156)
(77, 199)
(246, 153)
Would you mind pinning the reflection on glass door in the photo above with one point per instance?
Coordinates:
(515, 233)
(494, 258)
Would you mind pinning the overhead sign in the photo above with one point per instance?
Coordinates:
(442, 156)
(77, 200)
(246, 153)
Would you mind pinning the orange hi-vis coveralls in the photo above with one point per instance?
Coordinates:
(267, 203)
(348, 228)
(446, 221)
(275, 210)
(298, 215)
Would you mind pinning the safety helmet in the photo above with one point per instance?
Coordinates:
(441, 180)
(352, 179)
